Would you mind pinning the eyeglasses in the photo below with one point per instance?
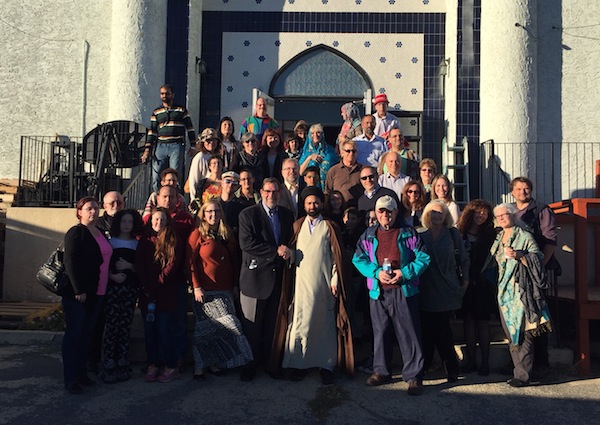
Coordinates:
(499, 216)
(229, 181)
(210, 141)
(212, 211)
(370, 177)
(249, 141)
(349, 150)
(427, 170)
(416, 192)
(245, 179)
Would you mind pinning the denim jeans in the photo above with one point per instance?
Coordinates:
(161, 345)
(167, 155)
(80, 319)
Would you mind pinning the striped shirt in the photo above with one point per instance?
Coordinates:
(169, 125)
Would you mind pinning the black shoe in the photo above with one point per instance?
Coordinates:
(377, 379)
(297, 375)
(74, 388)
(86, 381)
(469, 368)
(247, 374)
(415, 388)
(326, 376)
(277, 375)
(517, 383)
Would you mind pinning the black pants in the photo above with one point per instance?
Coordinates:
(437, 333)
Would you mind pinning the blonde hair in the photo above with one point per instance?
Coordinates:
(426, 218)
(223, 231)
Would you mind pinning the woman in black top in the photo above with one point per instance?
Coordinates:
(87, 256)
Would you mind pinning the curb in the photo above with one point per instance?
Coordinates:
(17, 337)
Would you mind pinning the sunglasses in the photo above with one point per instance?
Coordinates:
(371, 177)
(229, 181)
(349, 150)
(413, 191)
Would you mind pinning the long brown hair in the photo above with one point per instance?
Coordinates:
(466, 219)
(166, 239)
(420, 204)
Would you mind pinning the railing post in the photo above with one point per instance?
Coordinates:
(597, 194)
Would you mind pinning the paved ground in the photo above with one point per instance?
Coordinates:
(31, 392)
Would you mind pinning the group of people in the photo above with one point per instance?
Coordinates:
(289, 251)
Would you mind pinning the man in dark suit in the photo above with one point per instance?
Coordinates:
(264, 232)
(289, 195)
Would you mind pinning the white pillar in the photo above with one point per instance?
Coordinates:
(137, 58)
(451, 80)
(509, 81)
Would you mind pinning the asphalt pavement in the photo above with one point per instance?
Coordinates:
(31, 392)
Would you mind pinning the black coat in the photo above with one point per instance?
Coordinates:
(257, 242)
(82, 260)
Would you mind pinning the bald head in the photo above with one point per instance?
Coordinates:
(113, 202)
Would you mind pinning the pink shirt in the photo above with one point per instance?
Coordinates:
(106, 251)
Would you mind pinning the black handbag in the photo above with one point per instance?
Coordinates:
(53, 276)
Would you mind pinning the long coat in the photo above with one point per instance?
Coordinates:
(345, 355)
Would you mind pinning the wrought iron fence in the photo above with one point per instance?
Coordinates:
(558, 170)
(54, 171)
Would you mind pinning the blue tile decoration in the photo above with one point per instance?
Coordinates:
(261, 58)
(247, 43)
(230, 58)
(336, 43)
(398, 75)
(291, 1)
(358, 1)
(308, 43)
(229, 89)
(382, 90)
(413, 90)
(413, 122)
(431, 25)
(324, 1)
(414, 60)
(425, 1)
(244, 104)
(382, 59)
(392, 1)
(245, 73)
(367, 44)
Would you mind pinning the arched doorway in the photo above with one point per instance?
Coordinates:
(313, 86)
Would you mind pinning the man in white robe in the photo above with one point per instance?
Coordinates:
(311, 335)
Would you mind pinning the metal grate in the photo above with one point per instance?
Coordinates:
(558, 170)
(53, 172)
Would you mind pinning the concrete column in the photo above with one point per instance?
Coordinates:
(509, 81)
(137, 58)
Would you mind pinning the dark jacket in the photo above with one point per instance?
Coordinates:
(82, 260)
(261, 266)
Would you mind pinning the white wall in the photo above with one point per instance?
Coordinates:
(42, 68)
(48, 50)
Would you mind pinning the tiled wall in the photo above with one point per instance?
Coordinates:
(429, 26)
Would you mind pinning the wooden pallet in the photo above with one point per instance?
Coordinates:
(12, 314)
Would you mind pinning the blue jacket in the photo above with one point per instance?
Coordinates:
(413, 260)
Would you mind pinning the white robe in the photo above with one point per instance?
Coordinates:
(311, 338)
